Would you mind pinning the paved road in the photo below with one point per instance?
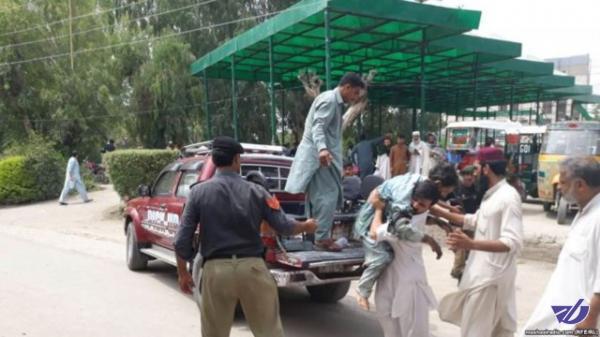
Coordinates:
(63, 274)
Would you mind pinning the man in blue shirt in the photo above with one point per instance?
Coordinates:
(73, 181)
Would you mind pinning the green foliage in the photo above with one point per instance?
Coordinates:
(128, 80)
(163, 90)
(130, 168)
(17, 184)
(43, 171)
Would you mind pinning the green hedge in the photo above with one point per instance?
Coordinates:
(17, 184)
(128, 169)
(35, 176)
(49, 171)
(39, 176)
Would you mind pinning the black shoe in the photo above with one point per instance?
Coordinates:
(89, 200)
(62, 203)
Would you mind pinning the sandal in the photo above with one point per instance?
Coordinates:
(327, 245)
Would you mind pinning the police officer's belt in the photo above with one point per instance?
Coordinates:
(231, 256)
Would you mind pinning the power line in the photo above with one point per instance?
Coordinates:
(53, 23)
(149, 39)
(146, 112)
(107, 26)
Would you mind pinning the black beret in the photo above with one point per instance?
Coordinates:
(227, 145)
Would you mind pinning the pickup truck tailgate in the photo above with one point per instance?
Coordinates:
(317, 259)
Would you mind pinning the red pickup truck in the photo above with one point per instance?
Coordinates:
(151, 222)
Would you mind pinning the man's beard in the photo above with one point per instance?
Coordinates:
(569, 197)
(484, 183)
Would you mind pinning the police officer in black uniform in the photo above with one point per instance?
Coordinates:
(229, 211)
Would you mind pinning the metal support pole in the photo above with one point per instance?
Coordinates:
(512, 97)
(272, 94)
(530, 113)
(537, 109)
(372, 120)
(380, 119)
(234, 99)
(283, 116)
(487, 116)
(456, 106)
(327, 50)
(475, 78)
(494, 132)
(207, 106)
(422, 84)
(414, 119)
(556, 117)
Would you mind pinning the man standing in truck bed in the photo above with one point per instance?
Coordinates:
(317, 167)
(230, 210)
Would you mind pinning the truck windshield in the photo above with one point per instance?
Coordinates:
(572, 142)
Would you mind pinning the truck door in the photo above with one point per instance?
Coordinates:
(176, 205)
(155, 219)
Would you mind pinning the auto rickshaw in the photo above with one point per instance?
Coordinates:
(467, 137)
(521, 145)
(524, 157)
(562, 139)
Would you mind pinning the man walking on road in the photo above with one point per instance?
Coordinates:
(230, 211)
(73, 181)
(576, 279)
(485, 304)
(317, 166)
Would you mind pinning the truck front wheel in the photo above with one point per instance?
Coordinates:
(136, 260)
(329, 293)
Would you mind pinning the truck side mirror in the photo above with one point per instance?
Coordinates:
(143, 191)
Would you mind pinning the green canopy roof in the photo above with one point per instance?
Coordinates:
(422, 57)
(383, 37)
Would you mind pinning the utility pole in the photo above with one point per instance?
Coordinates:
(71, 33)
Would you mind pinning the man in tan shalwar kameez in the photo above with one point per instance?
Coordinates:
(399, 157)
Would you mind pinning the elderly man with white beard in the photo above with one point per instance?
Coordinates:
(574, 287)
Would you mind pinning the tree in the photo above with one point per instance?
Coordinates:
(163, 94)
(129, 81)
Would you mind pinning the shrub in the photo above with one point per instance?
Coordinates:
(44, 163)
(128, 169)
(49, 171)
(17, 182)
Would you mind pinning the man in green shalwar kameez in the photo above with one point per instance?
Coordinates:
(317, 166)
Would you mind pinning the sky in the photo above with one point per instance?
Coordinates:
(546, 28)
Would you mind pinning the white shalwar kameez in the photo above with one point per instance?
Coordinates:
(485, 305)
(417, 161)
(577, 273)
(403, 297)
(383, 167)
